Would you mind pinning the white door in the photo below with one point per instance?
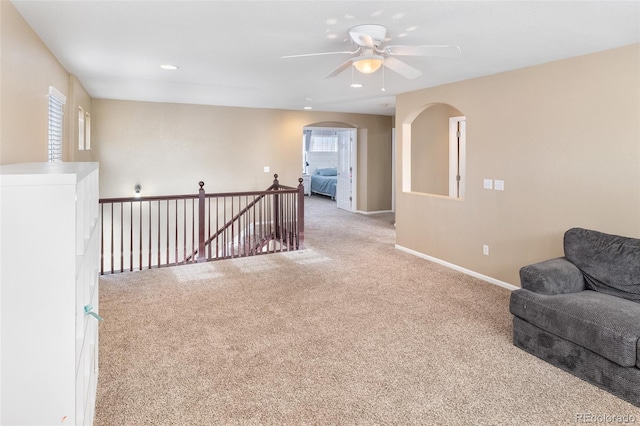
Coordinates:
(346, 172)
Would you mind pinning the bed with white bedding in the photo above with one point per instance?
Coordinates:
(324, 182)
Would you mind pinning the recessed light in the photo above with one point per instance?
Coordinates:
(169, 67)
(308, 107)
(356, 85)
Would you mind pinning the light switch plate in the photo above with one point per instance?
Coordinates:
(499, 185)
(488, 184)
(266, 169)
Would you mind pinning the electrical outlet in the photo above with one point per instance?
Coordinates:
(485, 250)
(266, 169)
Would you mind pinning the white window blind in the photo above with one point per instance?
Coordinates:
(56, 114)
(323, 141)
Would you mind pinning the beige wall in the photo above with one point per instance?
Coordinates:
(27, 69)
(168, 148)
(564, 137)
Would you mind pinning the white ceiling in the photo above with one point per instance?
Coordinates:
(229, 51)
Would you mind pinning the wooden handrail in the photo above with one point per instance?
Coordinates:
(256, 228)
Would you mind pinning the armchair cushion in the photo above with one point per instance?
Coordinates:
(553, 276)
(610, 263)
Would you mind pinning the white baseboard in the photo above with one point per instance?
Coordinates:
(374, 212)
(459, 268)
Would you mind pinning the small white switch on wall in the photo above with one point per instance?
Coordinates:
(488, 184)
(266, 169)
(499, 185)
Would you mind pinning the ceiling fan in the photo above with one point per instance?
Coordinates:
(371, 54)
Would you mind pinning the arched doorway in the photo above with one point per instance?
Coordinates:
(327, 147)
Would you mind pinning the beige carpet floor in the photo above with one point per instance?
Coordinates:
(348, 331)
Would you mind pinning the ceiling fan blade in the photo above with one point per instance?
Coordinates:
(405, 70)
(433, 50)
(361, 39)
(346, 64)
(321, 54)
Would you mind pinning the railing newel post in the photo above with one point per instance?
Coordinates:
(300, 214)
(201, 197)
(276, 206)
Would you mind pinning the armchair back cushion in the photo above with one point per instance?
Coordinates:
(610, 263)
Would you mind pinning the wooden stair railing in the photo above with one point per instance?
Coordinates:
(148, 232)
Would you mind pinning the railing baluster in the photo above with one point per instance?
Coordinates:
(217, 226)
(184, 231)
(150, 247)
(140, 239)
(232, 231)
(112, 246)
(208, 248)
(131, 236)
(193, 226)
(121, 237)
(102, 239)
(159, 246)
(175, 260)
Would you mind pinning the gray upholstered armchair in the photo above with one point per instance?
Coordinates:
(581, 312)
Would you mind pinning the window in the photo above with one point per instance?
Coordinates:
(80, 128)
(324, 144)
(56, 114)
(322, 140)
(87, 131)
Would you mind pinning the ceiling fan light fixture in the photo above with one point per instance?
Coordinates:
(368, 64)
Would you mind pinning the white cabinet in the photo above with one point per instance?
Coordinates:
(49, 259)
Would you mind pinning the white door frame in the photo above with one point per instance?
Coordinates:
(457, 156)
(354, 165)
(393, 169)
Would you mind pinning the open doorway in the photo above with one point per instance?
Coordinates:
(329, 164)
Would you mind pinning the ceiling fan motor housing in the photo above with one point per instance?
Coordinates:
(378, 34)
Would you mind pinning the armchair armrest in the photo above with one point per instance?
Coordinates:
(553, 276)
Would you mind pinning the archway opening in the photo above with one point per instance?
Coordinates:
(434, 151)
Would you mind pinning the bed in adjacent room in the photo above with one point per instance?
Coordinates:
(324, 182)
